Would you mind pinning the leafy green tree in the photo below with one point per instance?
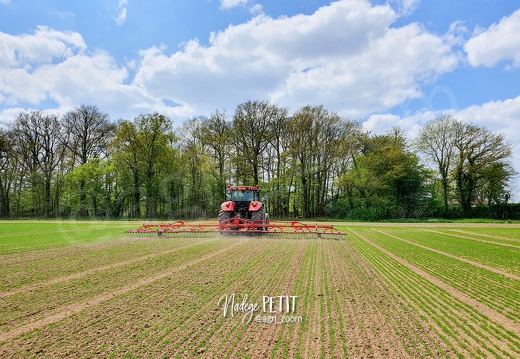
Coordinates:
(495, 183)
(387, 178)
(141, 146)
(127, 157)
(277, 164)
(154, 141)
(354, 142)
(94, 177)
(482, 161)
(406, 177)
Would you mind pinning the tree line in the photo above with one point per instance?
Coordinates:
(311, 163)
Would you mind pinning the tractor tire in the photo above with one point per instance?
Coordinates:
(223, 217)
(260, 216)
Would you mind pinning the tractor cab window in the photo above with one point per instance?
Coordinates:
(242, 196)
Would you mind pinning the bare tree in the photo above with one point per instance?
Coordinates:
(41, 146)
(89, 135)
(437, 141)
(215, 133)
(315, 144)
(252, 126)
(89, 131)
(7, 161)
(279, 145)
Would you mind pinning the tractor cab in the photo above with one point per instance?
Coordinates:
(244, 202)
(244, 193)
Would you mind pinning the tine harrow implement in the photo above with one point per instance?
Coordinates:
(240, 226)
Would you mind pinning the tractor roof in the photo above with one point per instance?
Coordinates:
(243, 188)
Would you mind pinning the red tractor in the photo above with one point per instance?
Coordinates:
(243, 211)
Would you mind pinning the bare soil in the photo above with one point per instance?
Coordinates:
(157, 297)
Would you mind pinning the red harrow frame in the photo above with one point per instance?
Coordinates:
(240, 226)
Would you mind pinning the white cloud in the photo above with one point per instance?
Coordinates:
(345, 56)
(387, 72)
(5, 1)
(405, 7)
(54, 66)
(256, 9)
(7, 115)
(499, 116)
(22, 58)
(121, 12)
(44, 46)
(227, 4)
(497, 43)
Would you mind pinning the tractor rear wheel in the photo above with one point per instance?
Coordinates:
(260, 219)
(224, 217)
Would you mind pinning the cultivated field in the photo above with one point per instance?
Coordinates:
(87, 290)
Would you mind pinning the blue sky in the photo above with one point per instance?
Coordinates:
(395, 62)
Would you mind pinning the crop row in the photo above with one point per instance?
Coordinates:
(27, 306)
(176, 314)
(346, 309)
(351, 311)
(256, 272)
(201, 325)
(495, 290)
(277, 279)
(29, 269)
(97, 320)
(371, 295)
(464, 329)
(501, 255)
(491, 233)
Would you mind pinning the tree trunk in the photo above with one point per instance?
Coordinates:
(82, 199)
(136, 210)
(445, 193)
(48, 204)
(4, 201)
